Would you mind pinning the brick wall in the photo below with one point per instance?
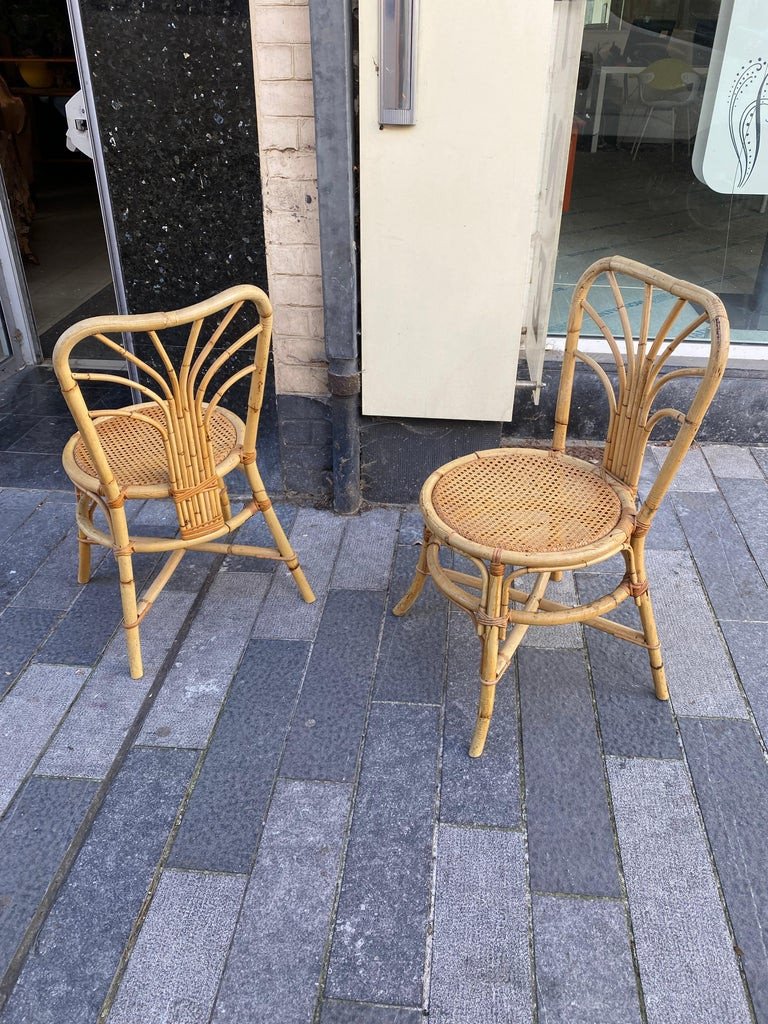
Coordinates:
(284, 106)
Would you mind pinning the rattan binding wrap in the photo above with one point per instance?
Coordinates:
(526, 500)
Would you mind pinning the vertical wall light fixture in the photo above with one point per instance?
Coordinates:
(397, 61)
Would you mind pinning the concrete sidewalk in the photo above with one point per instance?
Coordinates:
(284, 826)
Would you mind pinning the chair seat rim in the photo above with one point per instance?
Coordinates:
(91, 484)
(596, 551)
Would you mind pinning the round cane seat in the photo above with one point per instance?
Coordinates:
(135, 449)
(526, 501)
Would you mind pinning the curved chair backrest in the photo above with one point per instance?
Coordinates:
(218, 329)
(634, 407)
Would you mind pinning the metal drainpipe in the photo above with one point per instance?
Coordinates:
(331, 34)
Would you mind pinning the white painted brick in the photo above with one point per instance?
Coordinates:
(290, 290)
(297, 166)
(283, 24)
(291, 229)
(286, 259)
(298, 379)
(302, 62)
(290, 321)
(294, 196)
(286, 99)
(312, 264)
(307, 133)
(279, 132)
(316, 323)
(301, 350)
(274, 62)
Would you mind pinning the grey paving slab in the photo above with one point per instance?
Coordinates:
(549, 637)
(411, 663)
(411, 530)
(733, 581)
(728, 461)
(632, 721)
(186, 708)
(379, 944)
(365, 556)
(481, 969)
(336, 1011)
(483, 790)
(49, 434)
(730, 777)
(15, 507)
(748, 502)
(29, 715)
(688, 967)
(55, 585)
(69, 969)
(23, 469)
(98, 722)
(693, 475)
(324, 739)
(316, 537)
(178, 959)
(584, 969)
(760, 455)
(747, 644)
(22, 631)
(34, 837)
(224, 817)
(273, 970)
(255, 531)
(569, 828)
(38, 535)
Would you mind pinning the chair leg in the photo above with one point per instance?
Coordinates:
(226, 508)
(648, 620)
(490, 660)
(130, 615)
(419, 579)
(636, 147)
(282, 543)
(84, 507)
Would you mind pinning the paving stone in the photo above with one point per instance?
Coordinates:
(746, 642)
(730, 777)
(324, 739)
(255, 531)
(186, 708)
(69, 969)
(39, 534)
(411, 662)
(481, 968)
(55, 585)
(699, 674)
(193, 571)
(48, 434)
(342, 1012)
(98, 722)
(693, 475)
(286, 916)
(760, 455)
(379, 943)
(178, 959)
(632, 721)
(584, 970)
(365, 556)
(411, 530)
(569, 828)
(22, 631)
(23, 469)
(688, 967)
(34, 837)
(224, 817)
(29, 715)
(729, 461)
(734, 584)
(665, 533)
(548, 637)
(15, 507)
(483, 790)
(316, 537)
(748, 502)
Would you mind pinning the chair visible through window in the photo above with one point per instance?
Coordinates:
(517, 512)
(180, 443)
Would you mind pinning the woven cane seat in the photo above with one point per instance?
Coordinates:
(526, 500)
(135, 450)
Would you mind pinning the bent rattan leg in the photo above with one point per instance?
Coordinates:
(130, 614)
(648, 620)
(418, 581)
(490, 658)
(282, 543)
(84, 507)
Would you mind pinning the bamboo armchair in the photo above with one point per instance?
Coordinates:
(516, 511)
(181, 443)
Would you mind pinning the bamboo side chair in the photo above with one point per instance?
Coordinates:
(180, 443)
(515, 511)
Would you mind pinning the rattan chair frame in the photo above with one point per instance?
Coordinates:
(501, 611)
(181, 411)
